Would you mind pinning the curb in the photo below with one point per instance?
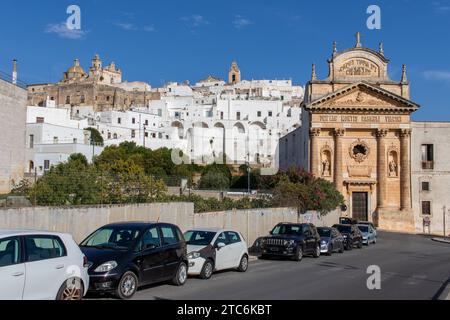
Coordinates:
(445, 294)
(441, 240)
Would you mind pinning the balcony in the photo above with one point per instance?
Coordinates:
(427, 165)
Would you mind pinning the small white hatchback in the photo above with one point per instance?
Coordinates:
(212, 250)
(36, 265)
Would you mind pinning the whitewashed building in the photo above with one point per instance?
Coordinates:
(430, 176)
(52, 136)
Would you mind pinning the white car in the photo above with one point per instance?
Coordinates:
(36, 265)
(212, 250)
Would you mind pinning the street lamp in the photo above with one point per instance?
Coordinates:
(145, 127)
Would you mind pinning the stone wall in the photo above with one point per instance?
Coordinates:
(12, 139)
(81, 221)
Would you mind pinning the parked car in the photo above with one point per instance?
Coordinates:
(345, 220)
(352, 235)
(367, 223)
(369, 234)
(124, 256)
(36, 265)
(331, 240)
(212, 250)
(291, 240)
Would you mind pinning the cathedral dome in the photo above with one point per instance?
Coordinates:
(76, 69)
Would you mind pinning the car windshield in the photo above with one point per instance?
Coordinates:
(364, 228)
(112, 238)
(344, 229)
(199, 238)
(287, 229)
(326, 233)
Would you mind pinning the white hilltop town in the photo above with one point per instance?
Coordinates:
(241, 119)
(389, 167)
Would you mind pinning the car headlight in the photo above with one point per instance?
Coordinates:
(107, 266)
(323, 242)
(194, 255)
(289, 243)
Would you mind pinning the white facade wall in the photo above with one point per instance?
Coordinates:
(55, 138)
(438, 135)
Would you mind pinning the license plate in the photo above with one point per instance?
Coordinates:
(273, 249)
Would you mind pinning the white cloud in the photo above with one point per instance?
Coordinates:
(240, 22)
(127, 26)
(63, 32)
(436, 75)
(149, 28)
(195, 20)
(441, 6)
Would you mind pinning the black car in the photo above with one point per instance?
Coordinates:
(352, 235)
(331, 240)
(125, 256)
(291, 240)
(347, 221)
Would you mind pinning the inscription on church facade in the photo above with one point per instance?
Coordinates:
(359, 67)
(360, 118)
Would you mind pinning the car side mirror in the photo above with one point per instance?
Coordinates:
(149, 246)
(271, 232)
(221, 245)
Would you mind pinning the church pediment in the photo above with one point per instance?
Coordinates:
(362, 96)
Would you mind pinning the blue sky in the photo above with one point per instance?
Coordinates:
(159, 41)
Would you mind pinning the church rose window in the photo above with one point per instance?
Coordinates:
(359, 151)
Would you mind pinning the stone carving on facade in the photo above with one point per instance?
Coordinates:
(326, 161)
(359, 151)
(393, 162)
(360, 99)
(314, 132)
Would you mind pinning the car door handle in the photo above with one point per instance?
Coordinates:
(59, 267)
(18, 274)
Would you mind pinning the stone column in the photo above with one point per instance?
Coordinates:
(405, 175)
(338, 174)
(314, 133)
(381, 168)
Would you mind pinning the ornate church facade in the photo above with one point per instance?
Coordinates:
(356, 133)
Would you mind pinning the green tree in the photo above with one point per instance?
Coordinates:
(214, 180)
(95, 136)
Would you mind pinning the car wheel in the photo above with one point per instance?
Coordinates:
(350, 246)
(316, 253)
(128, 286)
(360, 245)
(330, 250)
(342, 249)
(207, 270)
(181, 275)
(243, 265)
(298, 256)
(72, 289)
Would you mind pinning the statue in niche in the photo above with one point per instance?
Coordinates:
(392, 168)
(326, 167)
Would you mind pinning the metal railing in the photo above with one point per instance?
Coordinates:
(8, 78)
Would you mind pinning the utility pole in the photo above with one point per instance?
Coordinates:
(445, 230)
(93, 149)
(144, 134)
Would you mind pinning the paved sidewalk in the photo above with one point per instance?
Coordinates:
(442, 240)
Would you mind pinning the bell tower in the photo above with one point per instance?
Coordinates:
(234, 76)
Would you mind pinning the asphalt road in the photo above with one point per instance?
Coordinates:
(412, 267)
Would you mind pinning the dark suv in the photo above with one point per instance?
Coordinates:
(291, 240)
(352, 235)
(125, 256)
